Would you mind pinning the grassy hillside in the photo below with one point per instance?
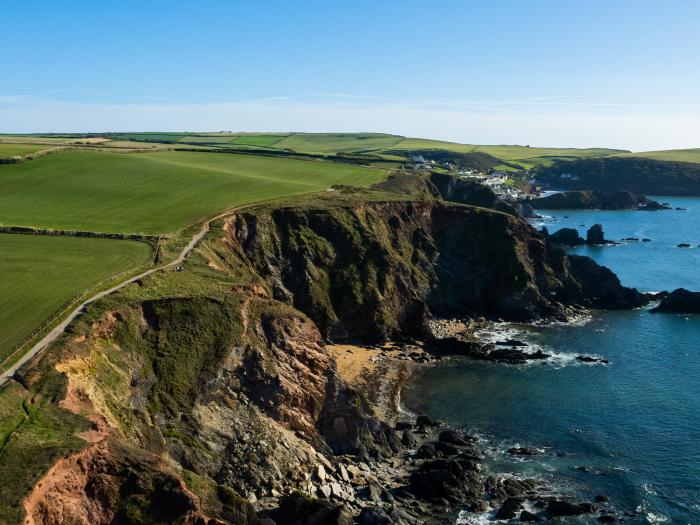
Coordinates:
(673, 155)
(395, 147)
(19, 150)
(154, 192)
(40, 274)
(525, 156)
(338, 142)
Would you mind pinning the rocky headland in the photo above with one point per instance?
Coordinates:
(596, 200)
(617, 173)
(680, 301)
(223, 393)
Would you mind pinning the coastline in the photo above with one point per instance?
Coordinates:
(381, 372)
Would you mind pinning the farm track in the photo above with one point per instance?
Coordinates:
(55, 333)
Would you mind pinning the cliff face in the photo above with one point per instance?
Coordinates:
(199, 392)
(374, 271)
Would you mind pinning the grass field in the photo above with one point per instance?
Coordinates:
(152, 137)
(39, 274)
(265, 141)
(337, 142)
(19, 150)
(154, 192)
(678, 155)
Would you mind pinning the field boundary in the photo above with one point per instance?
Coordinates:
(28, 230)
(19, 159)
(57, 328)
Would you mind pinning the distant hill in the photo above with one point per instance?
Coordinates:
(675, 155)
(634, 173)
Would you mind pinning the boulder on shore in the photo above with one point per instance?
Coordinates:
(452, 480)
(680, 301)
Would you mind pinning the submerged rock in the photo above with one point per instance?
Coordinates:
(510, 508)
(591, 359)
(524, 451)
(560, 508)
(529, 517)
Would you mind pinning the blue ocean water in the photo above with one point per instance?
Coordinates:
(629, 430)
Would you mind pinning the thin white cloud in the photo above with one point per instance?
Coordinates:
(159, 99)
(628, 127)
(348, 96)
(14, 99)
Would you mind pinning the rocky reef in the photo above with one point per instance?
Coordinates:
(210, 395)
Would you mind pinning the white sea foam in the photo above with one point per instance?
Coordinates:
(476, 518)
(656, 517)
(499, 332)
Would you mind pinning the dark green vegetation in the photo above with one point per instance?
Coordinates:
(41, 274)
(635, 174)
(154, 192)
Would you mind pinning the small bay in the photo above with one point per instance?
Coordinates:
(629, 430)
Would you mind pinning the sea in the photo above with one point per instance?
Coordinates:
(628, 430)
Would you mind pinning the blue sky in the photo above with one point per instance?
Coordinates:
(583, 73)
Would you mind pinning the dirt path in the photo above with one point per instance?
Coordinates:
(49, 338)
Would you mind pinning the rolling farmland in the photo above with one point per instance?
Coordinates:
(154, 193)
(40, 274)
(19, 150)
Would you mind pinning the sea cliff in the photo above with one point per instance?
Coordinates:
(211, 395)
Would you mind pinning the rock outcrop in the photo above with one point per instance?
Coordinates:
(566, 237)
(596, 237)
(616, 173)
(680, 301)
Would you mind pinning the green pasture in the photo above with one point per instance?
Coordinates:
(154, 193)
(329, 143)
(677, 155)
(39, 274)
(19, 150)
